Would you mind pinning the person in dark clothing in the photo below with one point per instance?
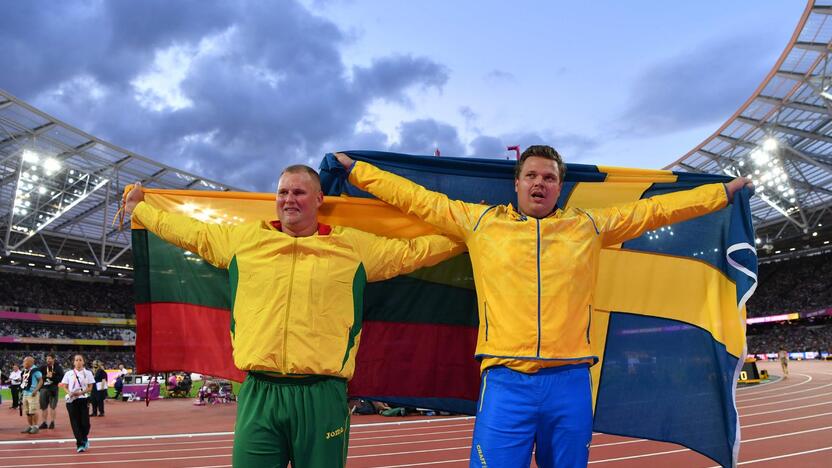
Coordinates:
(99, 391)
(118, 385)
(52, 374)
(78, 383)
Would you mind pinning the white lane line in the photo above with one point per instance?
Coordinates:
(117, 461)
(743, 390)
(396, 454)
(632, 457)
(793, 454)
(210, 434)
(109, 439)
(666, 452)
(412, 421)
(93, 451)
(787, 394)
(408, 443)
(782, 410)
(787, 420)
(211, 466)
(43, 449)
(778, 402)
(408, 435)
(809, 378)
(400, 429)
(440, 462)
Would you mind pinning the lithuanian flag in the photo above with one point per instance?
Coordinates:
(669, 322)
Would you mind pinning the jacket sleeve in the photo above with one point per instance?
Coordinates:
(213, 242)
(452, 217)
(385, 257)
(621, 223)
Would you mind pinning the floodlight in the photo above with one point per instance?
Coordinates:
(51, 165)
(770, 144)
(30, 156)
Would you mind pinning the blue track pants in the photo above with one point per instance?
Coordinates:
(550, 410)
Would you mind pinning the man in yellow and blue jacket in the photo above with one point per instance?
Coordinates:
(535, 269)
(297, 287)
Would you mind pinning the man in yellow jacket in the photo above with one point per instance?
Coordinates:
(535, 270)
(297, 287)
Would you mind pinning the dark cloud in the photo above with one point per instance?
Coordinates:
(702, 85)
(272, 90)
(423, 136)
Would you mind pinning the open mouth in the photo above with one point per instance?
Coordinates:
(537, 196)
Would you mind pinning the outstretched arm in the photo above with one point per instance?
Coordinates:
(212, 242)
(621, 223)
(385, 257)
(452, 217)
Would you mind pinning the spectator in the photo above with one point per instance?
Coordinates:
(119, 386)
(99, 392)
(52, 373)
(30, 385)
(78, 383)
(14, 385)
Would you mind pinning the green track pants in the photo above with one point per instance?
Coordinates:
(304, 420)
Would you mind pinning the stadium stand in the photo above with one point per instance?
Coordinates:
(797, 285)
(803, 336)
(65, 331)
(29, 293)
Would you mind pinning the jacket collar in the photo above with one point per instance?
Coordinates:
(323, 229)
(518, 216)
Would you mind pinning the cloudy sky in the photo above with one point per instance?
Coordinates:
(235, 90)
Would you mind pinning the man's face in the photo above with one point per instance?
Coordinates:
(538, 187)
(50, 361)
(298, 199)
(78, 361)
(27, 363)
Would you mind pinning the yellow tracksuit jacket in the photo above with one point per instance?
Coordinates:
(535, 277)
(297, 301)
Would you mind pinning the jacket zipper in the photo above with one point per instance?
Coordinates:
(538, 287)
(485, 306)
(589, 325)
(289, 303)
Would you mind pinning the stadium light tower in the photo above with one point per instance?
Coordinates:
(765, 168)
(46, 189)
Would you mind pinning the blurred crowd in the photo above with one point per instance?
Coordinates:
(110, 359)
(26, 291)
(800, 336)
(65, 331)
(797, 285)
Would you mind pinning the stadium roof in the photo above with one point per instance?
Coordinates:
(60, 189)
(782, 138)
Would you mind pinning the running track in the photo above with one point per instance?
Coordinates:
(784, 423)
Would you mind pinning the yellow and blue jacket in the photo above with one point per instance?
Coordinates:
(535, 277)
(297, 301)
